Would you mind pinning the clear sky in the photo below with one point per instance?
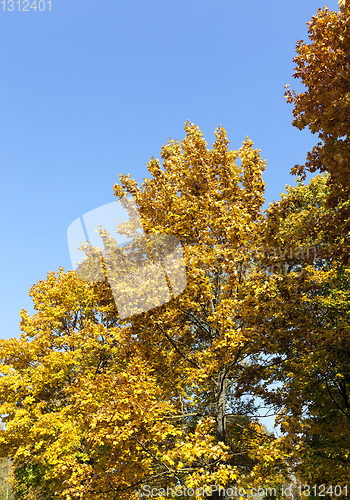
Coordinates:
(94, 88)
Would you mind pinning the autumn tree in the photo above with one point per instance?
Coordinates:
(323, 66)
(304, 368)
(213, 206)
(99, 405)
(321, 295)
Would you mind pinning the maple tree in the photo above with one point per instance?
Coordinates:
(99, 405)
(304, 335)
(322, 380)
(214, 207)
(323, 66)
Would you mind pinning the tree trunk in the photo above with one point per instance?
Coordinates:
(220, 411)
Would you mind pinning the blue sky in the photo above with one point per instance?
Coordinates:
(94, 88)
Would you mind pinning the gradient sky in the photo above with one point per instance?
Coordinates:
(94, 88)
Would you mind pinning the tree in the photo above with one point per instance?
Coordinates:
(197, 197)
(305, 336)
(5, 490)
(323, 66)
(97, 405)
